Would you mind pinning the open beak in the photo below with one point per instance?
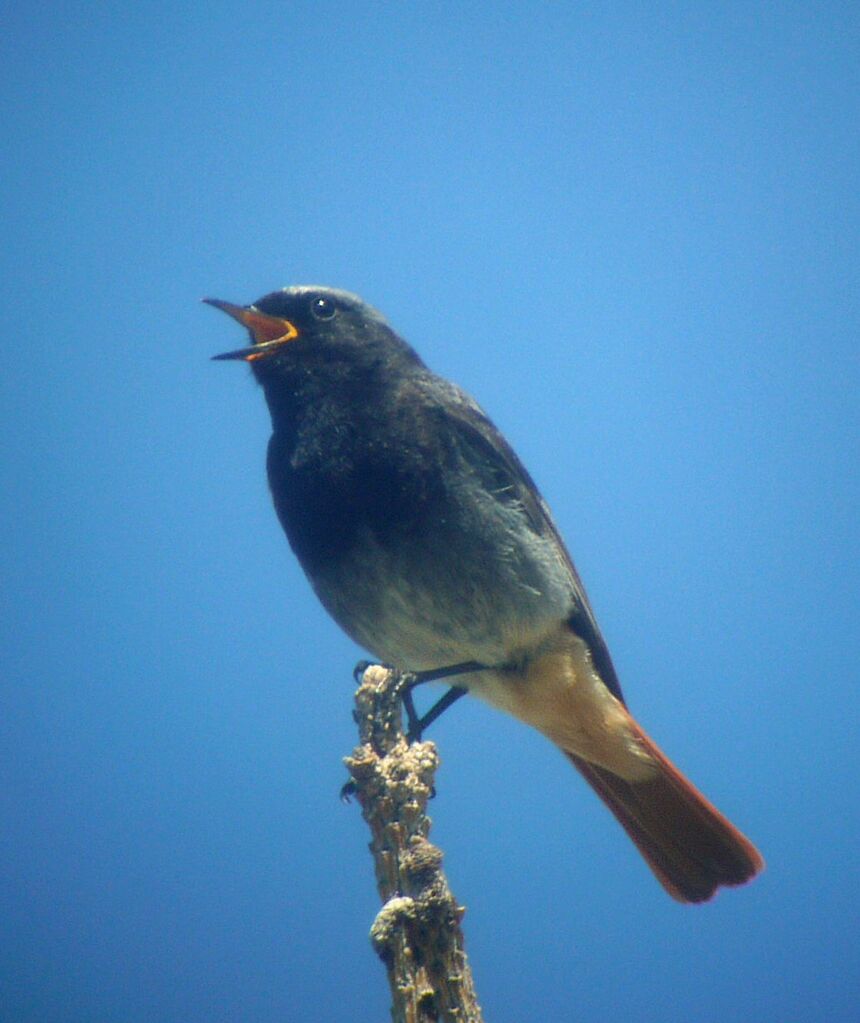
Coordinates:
(268, 332)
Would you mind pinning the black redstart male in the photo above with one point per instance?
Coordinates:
(428, 542)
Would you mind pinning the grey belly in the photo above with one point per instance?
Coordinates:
(450, 593)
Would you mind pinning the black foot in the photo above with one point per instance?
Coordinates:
(415, 723)
(362, 666)
(359, 670)
(348, 791)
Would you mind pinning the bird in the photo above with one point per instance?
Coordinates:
(427, 541)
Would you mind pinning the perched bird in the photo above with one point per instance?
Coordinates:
(428, 542)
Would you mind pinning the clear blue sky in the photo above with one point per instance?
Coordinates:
(631, 230)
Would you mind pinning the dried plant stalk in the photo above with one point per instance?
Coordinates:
(417, 931)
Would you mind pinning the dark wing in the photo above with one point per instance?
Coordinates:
(506, 476)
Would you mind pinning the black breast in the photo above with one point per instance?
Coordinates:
(332, 488)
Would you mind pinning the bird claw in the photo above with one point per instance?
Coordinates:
(362, 666)
(359, 670)
(409, 680)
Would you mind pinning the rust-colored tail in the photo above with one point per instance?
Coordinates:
(686, 841)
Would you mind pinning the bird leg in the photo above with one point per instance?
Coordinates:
(418, 724)
(415, 722)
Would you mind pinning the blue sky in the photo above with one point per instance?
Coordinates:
(631, 231)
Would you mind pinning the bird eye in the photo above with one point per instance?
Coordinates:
(323, 308)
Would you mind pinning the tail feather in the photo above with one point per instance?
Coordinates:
(690, 846)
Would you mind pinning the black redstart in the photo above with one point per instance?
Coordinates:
(428, 542)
